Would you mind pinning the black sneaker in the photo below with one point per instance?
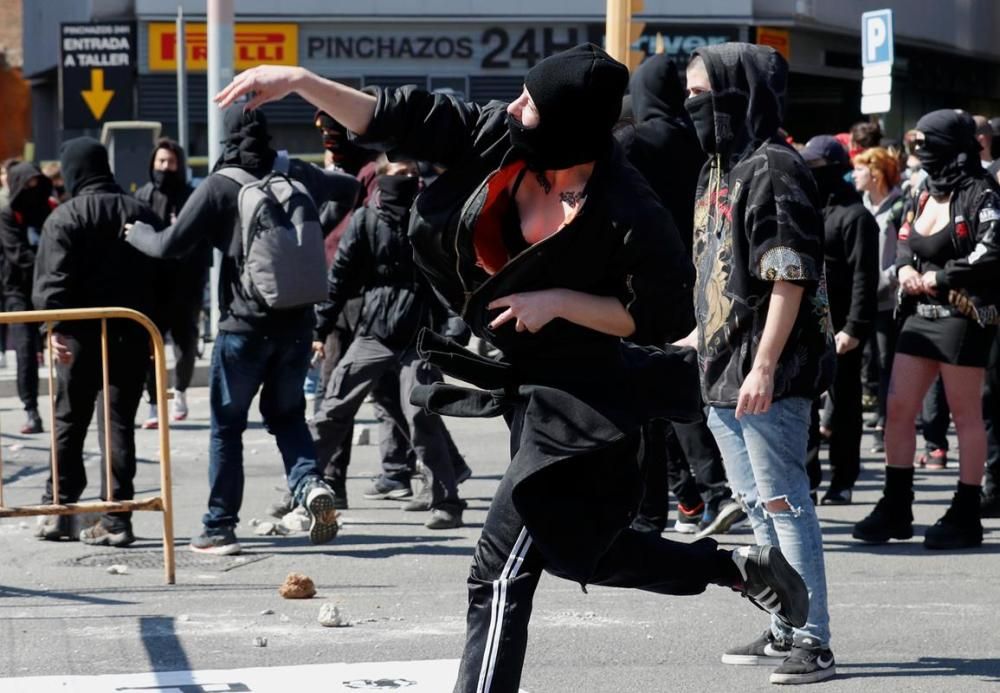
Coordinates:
(218, 542)
(281, 508)
(766, 649)
(772, 585)
(387, 489)
(888, 520)
(319, 501)
(729, 515)
(99, 535)
(837, 496)
(808, 662)
(444, 519)
(687, 520)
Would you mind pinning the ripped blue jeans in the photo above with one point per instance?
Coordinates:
(765, 460)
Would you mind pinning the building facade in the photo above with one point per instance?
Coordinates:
(946, 54)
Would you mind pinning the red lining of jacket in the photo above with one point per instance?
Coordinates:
(487, 234)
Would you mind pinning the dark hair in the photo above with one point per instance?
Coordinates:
(172, 146)
(865, 134)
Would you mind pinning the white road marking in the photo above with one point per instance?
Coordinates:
(428, 676)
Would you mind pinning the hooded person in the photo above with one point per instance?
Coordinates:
(764, 342)
(554, 249)
(947, 262)
(851, 263)
(29, 204)
(256, 348)
(182, 281)
(84, 262)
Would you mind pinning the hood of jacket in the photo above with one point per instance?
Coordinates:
(657, 92)
(245, 140)
(748, 94)
(18, 177)
(84, 165)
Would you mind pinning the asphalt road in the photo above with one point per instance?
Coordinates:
(903, 619)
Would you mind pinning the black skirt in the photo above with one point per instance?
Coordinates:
(954, 340)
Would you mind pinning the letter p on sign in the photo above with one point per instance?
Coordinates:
(876, 38)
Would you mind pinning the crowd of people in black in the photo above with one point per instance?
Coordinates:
(680, 296)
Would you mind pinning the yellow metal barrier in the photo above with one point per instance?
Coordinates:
(162, 503)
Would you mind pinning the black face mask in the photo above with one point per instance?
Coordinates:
(168, 182)
(945, 170)
(829, 179)
(551, 148)
(33, 204)
(701, 108)
(396, 195)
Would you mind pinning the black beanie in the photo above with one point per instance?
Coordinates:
(578, 93)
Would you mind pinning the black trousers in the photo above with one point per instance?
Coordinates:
(507, 566)
(935, 417)
(683, 459)
(181, 323)
(885, 349)
(27, 345)
(846, 422)
(991, 417)
(364, 364)
(79, 389)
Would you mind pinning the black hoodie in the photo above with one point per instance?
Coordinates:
(662, 143)
(756, 222)
(83, 260)
(21, 221)
(212, 212)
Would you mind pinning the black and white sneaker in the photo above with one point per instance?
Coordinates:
(808, 662)
(219, 541)
(728, 516)
(319, 501)
(766, 649)
(771, 584)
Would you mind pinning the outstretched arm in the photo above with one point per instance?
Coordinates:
(348, 106)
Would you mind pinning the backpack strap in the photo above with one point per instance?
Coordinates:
(235, 173)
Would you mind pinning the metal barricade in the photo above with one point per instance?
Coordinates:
(162, 503)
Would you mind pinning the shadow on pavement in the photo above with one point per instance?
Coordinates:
(987, 669)
(163, 648)
(18, 592)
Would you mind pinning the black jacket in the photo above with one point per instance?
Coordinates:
(851, 262)
(83, 261)
(975, 211)
(20, 231)
(212, 212)
(661, 142)
(374, 260)
(757, 221)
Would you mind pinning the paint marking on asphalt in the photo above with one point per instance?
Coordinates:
(429, 676)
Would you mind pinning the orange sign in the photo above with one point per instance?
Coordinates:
(778, 39)
(254, 44)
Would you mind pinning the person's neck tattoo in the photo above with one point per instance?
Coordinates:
(571, 197)
(544, 182)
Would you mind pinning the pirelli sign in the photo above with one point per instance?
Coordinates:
(253, 44)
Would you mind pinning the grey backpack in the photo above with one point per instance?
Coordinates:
(284, 263)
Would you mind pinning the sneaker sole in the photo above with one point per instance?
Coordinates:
(398, 494)
(685, 527)
(811, 677)
(323, 526)
(224, 550)
(753, 660)
(108, 541)
(723, 522)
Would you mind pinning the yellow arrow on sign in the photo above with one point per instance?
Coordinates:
(97, 97)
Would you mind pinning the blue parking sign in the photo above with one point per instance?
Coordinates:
(876, 38)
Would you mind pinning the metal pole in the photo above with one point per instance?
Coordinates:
(220, 73)
(182, 110)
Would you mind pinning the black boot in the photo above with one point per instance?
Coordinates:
(961, 526)
(892, 517)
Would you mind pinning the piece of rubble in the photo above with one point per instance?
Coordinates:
(267, 612)
(269, 529)
(330, 616)
(296, 521)
(117, 569)
(260, 642)
(297, 586)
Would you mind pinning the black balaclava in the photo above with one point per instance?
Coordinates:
(346, 155)
(30, 201)
(950, 152)
(578, 93)
(84, 163)
(701, 108)
(245, 140)
(396, 195)
(170, 183)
